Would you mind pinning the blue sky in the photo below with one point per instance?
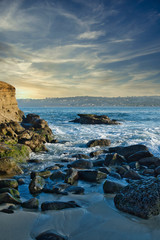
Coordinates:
(63, 48)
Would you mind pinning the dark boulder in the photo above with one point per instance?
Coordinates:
(112, 186)
(80, 156)
(81, 164)
(8, 183)
(57, 175)
(57, 205)
(97, 153)
(8, 198)
(91, 175)
(131, 174)
(138, 155)
(36, 185)
(114, 159)
(140, 198)
(148, 161)
(128, 151)
(75, 190)
(99, 142)
(71, 176)
(32, 203)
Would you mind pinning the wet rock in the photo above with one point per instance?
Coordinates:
(36, 185)
(11, 191)
(32, 203)
(6, 210)
(140, 198)
(81, 164)
(98, 162)
(75, 190)
(121, 170)
(57, 174)
(99, 142)
(54, 167)
(44, 174)
(138, 155)
(57, 205)
(112, 186)
(8, 198)
(58, 188)
(34, 161)
(94, 119)
(91, 175)
(33, 140)
(104, 170)
(20, 181)
(8, 166)
(128, 151)
(148, 161)
(50, 235)
(157, 171)
(8, 183)
(115, 175)
(148, 172)
(97, 153)
(80, 156)
(71, 176)
(135, 165)
(131, 174)
(114, 159)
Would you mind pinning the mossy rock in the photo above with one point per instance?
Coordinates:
(8, 198)
(19, 152)
(8, 166)
(8, 183)
(12, 191)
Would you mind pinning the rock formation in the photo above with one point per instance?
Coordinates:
(8, 105)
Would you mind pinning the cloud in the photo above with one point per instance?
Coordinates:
(91, 35)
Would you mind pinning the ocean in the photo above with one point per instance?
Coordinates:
(139, 125)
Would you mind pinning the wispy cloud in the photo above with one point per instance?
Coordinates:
(91, 35)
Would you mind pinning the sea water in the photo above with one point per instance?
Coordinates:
(138, 126)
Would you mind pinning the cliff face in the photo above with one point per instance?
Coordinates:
(9, 110)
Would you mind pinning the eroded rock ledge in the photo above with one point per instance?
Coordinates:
(8, 105)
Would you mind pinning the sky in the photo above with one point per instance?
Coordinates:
(67, 48)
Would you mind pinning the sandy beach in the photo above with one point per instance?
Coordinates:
(97, 220)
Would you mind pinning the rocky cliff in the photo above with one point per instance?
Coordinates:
(8, 105)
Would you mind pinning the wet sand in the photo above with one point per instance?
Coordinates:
(96, 220)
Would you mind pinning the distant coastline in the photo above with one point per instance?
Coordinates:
(145, 101)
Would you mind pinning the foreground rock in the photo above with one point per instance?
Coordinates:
(140, 198)
(36, 185)
(55, 205)
(50, 235)
(32, 203)
(91, 175)
(112, 186)
(8, 198)
(94, 119)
